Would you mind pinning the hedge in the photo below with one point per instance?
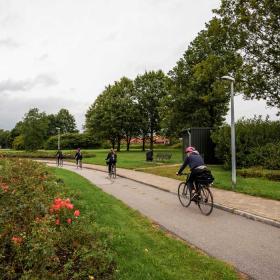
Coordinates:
(72, 141)
(257, 143)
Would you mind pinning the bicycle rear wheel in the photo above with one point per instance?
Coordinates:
(114, 171)
(205, 201)
(184, 194)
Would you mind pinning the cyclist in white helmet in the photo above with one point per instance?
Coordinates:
(196, 163)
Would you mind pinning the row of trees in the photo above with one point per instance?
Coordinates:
(128, 109)
(242, 39)
(35, 128)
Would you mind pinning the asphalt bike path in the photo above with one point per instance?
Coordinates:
(251, 246)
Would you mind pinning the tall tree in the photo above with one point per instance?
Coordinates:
(65, 121)
(15, 132)
(126, 110)
(53, 124)
(34, 129)
(114, 114)
(98, 118)
(4, 138)
(253, 29)
(150, 88)
(198, 97)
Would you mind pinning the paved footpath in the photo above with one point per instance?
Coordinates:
(252, 247)
(256, 208)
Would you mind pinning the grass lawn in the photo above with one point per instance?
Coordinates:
(142, 250)
(135, 158)
(253, 186)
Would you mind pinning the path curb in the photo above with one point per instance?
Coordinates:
(222, 207)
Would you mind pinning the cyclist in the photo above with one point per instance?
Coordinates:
(196, 164)
(79, 157)
(111, 159)
(59, 158)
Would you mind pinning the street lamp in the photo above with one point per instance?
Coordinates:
(233, 153)
(58, 138)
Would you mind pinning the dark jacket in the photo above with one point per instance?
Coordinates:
(111, 158)
(193, 160)
(78, 156)
(59, 155)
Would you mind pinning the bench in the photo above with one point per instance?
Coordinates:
(163, 156)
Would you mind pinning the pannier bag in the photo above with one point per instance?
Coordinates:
(205, 177)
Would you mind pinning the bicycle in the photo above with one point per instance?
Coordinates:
(79, 163)
(113, 172)
(59, 162)
(200, 194)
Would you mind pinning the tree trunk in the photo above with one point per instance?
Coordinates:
(119, 144)
(143, 142)
(152, 140)
(113, 143)
(127, 142)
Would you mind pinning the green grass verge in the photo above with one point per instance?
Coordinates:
(253, 186)
(143, 251)
(135, 158)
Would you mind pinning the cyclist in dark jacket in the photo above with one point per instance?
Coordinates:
(79, 157)
(59, 158)
(196, 164)
(111, 159)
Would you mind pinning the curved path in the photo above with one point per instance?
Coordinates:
(252, 247)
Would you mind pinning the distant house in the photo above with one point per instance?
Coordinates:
(161, 140)
(157, 140)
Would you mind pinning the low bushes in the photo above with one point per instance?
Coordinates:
(73, 141)
(42, 234)
(256, 172)
(43, 154)
(257, 143)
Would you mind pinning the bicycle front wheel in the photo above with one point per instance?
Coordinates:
(205, 201)
(114, 171)
(184, 194)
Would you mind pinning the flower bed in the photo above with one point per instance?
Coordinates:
(42, 233)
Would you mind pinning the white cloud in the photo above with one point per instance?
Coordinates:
(8, 43)
(44, 80)
(251, 108)
(13, 108)
(86, 45)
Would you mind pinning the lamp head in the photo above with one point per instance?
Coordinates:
(228, 78)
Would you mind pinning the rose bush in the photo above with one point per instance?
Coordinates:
(42, 234)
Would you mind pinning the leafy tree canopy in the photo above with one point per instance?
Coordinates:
(198, 97)
(253, 31)
(34, 129)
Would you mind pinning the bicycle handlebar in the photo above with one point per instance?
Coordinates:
(187, 174)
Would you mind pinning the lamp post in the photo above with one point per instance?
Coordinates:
(58, 138)
(233, 152)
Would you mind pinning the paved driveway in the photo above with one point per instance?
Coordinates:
(251, 246)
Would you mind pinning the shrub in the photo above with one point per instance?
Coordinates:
(43, 154)
(256, 141)
(73, 141)
(33, 244)
(273, 175)
(18, 143)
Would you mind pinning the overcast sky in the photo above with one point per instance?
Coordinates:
(63, 53)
